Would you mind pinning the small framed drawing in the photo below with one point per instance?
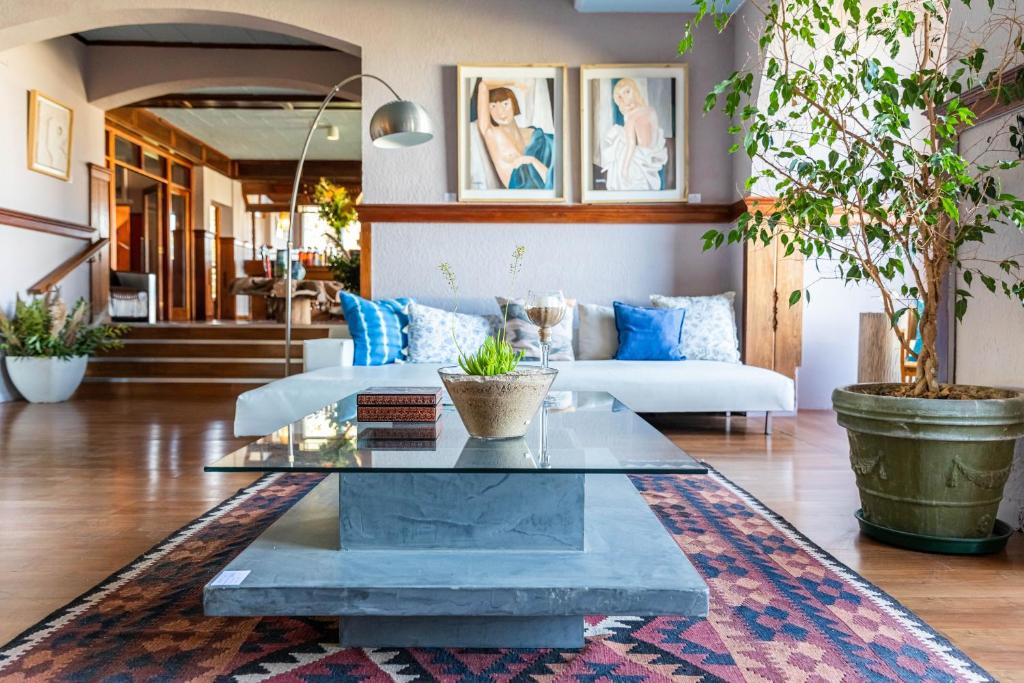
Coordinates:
(49, 135)
(633, 145)
(512, 133)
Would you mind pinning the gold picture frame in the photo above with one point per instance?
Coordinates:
(602, 136)
(483, 179)
(50, 135)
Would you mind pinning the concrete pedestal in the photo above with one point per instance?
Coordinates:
(463, 560)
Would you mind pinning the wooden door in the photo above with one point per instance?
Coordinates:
(99, 218)
(177, 257)
(772, 329)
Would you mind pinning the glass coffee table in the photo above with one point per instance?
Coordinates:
(458, 542)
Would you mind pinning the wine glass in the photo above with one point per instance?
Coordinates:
(545, 309)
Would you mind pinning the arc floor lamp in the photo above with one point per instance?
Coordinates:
(396, 125)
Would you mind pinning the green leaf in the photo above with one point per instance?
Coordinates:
(794, 297)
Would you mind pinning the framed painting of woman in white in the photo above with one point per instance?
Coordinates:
(512, 133)
(633, 145)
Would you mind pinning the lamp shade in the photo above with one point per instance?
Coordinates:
(400, 124)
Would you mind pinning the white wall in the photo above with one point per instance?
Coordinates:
(54, 68)
(831, 331)
(592, 263)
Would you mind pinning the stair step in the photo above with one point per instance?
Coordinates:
(188, 369)
(202, 349)
(225, 332)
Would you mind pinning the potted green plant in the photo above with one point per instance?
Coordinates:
(495, 396)
(337, 208)
(851, 115)
(47, 347)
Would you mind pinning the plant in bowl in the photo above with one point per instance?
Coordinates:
(851, 115)
(47, 347)
(496, 396)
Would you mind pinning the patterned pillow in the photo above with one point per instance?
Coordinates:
(379, 328)
(430, 333)
(709, 331)
(523, 335)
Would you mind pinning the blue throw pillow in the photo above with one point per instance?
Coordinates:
(380, 329)
(649, 333)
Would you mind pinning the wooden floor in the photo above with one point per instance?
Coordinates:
(87, 486)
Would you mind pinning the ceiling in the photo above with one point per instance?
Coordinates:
(194, 34)
(269, 133)
(666, 6)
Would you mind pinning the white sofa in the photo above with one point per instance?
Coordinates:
(691, 386)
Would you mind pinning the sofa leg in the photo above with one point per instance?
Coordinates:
(728, 421)
(768, 424)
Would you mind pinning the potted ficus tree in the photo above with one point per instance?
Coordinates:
(495, 396)
(47, 347)
(851, 114)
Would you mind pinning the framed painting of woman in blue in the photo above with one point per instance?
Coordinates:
(512, 133)
(633, 145)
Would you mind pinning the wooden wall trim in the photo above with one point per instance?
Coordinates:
(54, 277)
(553, 213)
(54, 226)
(984, 103)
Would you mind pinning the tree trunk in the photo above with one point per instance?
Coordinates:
(927, 378)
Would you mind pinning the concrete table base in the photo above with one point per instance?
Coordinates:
(463, 560)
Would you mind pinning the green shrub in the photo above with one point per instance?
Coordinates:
(45, 328)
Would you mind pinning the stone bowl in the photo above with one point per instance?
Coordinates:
(498, 406)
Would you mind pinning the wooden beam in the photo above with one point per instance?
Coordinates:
(151, 128)
(54, 226)
(671, 213)
(341, 170)
(292, 101)
(54, 277)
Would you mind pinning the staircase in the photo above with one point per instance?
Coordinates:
(202, 353)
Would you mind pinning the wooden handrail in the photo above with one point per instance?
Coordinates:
(30, 221)
(63, 270)
(673, 213)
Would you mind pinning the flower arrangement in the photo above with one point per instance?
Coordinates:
(46, 328)
(337, 208)
(495, 356)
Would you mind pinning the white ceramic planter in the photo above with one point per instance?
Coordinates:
(46, 380)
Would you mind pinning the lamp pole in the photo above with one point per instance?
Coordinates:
(415, 118)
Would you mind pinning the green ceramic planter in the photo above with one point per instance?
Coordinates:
(931, 467)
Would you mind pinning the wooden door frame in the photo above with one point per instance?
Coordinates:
(181, 314)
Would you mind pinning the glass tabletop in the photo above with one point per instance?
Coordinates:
(583, 432)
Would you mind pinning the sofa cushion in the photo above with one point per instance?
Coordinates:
(648, 333)
(431, 330)
(597, 338)
(523, 335)
(709, 332)
(378, 328)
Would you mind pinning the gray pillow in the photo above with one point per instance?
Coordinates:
(709, 328)
(523, 334)
(598, 337)
(430, 333)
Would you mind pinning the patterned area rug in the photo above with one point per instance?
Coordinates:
(781, 610)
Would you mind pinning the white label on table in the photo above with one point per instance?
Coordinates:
(232, 578)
